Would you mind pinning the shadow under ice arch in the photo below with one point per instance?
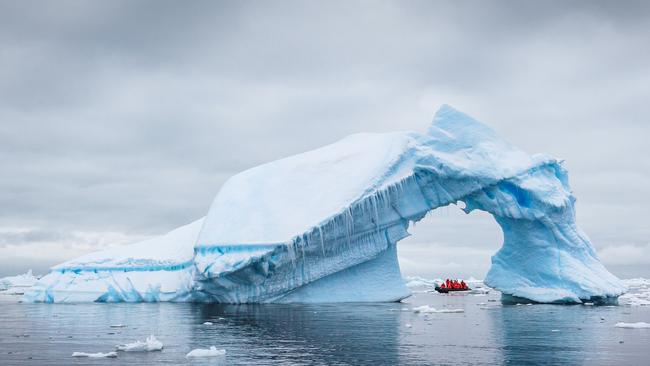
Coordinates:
(323, 226)
(373, 186)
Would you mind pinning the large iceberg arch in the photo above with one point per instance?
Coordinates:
(322, 226)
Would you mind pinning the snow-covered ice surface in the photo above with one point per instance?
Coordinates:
(322, 226)
(17, 285)
(637, 325)
(148, 345)
(201, 352)
(416, 281)
(638, 292)
(95, 355)
(158, 269)
(426, 309)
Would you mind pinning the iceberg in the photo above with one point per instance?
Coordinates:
(17, 285)
(323, 226)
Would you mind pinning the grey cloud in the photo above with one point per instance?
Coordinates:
(128, 116)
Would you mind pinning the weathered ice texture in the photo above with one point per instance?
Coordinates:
(322, 226)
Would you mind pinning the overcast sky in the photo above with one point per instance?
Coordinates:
(121, 120)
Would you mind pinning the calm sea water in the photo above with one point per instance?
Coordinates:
(344, 334)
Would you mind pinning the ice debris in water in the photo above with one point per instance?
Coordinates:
(148, 345)
(637, 325)
(208, 323)
(201, 352)
(95, 355)
(426, 309)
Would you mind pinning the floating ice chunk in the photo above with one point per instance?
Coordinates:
(208, 323)
(201, 352)
(117, 326)
(148, 345)
(426, 309)
(95, 355)
(637, 325)
(409, 325)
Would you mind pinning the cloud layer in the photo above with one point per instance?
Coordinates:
(121, 120)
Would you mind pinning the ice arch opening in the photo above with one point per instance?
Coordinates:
(448, 243)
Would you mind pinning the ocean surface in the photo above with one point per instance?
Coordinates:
(487, 332)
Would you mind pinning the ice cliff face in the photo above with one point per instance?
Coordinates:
(323, 226)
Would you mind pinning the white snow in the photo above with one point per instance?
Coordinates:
(158, 269)
(148, 345)
(200, 352)
(95, 355)
(637, 325)
(174, 247)
(426, 309)
(638, 292)
(416, 281)
(17, 285)
(287, 197)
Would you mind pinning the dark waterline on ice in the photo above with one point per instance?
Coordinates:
(344, 334)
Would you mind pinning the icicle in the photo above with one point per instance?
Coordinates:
(376, 212)
(322, 241)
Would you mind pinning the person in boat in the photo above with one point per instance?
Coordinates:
(463, 285)
(443, 286)
(448, 282)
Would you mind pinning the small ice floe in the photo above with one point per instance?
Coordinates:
(426, 309)
(148, 345)
(117, 326)
(208, 323)
(555, 330)
(637, 325)
(95, 355)
(408, 325)
(200, 352)
(529, 304)
(588, 304)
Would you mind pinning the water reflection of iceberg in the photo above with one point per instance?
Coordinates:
(542, 334)
(363, 334)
